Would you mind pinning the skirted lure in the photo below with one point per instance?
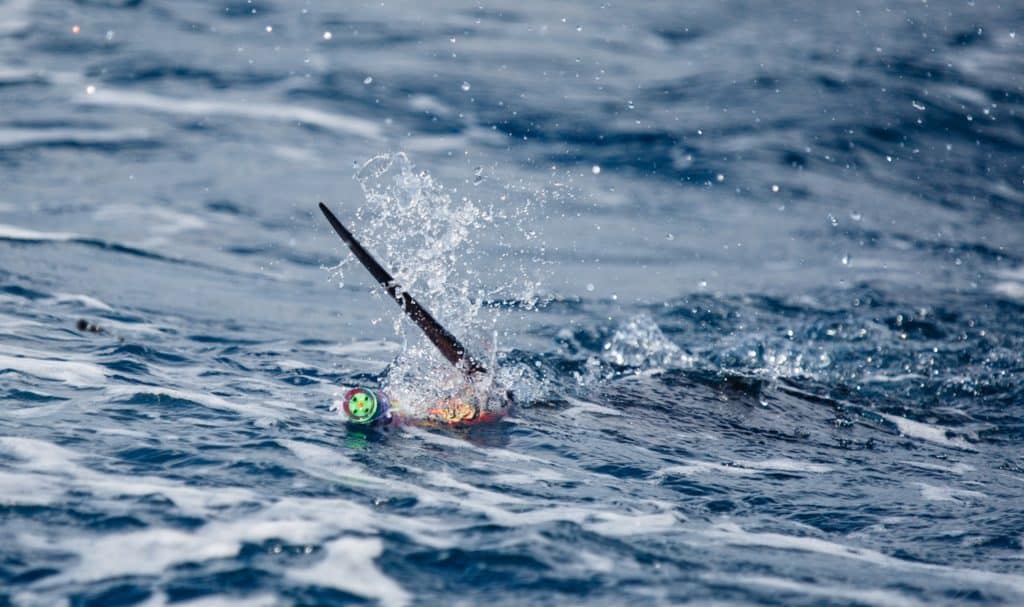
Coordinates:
(363, 406)
(368, 407)
(371, 407)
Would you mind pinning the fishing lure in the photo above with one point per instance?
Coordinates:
(368, 407)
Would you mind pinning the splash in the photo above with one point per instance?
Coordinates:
(640, 344)
(430, 238)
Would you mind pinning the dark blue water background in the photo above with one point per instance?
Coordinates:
(754, 269)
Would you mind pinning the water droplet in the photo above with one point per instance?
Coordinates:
(368, 80)
(75, 29)
(269, 28)
(579, 28)
(856, 216)
(466, 86)
(719, 178)
(670, 236)
(775, 188)
(846, 259)
(917, 105)
(110, 35)
(478, 175)
(328, 35)
(89, 90)
(596, 169)
(832, 220)
(590, 286)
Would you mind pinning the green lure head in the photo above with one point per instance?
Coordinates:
(361, 406)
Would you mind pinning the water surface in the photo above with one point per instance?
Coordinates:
(754, 271)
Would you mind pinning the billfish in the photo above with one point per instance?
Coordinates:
(366, 406)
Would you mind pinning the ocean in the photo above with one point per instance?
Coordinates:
(752, 271)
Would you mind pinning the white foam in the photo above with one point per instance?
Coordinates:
(161, 599)
(43, 472)
(742, 467)
(933, 493)
(247, 408)
(622, 525)
(926, 432)
(476, 496)
(16, 233)
(330, 464)
(732, 534)
(28, 490)
(38, 454)
(298, 521)
(286, 364)
(528, 478)
(338, 123)
(348, 566)
(78, 374)
(782, 464)
(45, 462)
(499, 507)
(958, 468)
(700, 467)
(85, 300)
(144, 552)
(492, 453)
(868, 596)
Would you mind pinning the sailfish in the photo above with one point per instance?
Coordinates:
(368, 406)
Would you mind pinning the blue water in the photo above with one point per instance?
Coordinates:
(754, 272)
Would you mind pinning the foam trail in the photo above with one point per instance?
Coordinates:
(262, 600)
(742, 467)
(44, 463)
(78, 374)
(8, 232)
(856, 595)
(734, 535)
(926, 432)
(85, 300)
(348, 566)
